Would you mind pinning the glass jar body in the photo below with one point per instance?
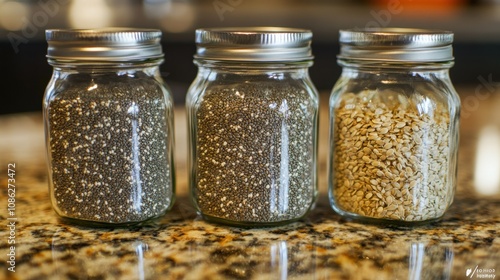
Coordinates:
(109, 139)
(394, 142)
(253, 143)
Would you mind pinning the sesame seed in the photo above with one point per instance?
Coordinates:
(399, 161)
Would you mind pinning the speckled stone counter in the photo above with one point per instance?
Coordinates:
(322, 246)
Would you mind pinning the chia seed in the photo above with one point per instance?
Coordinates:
(110, 148)
(255, 147)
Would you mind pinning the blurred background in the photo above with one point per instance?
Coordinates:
(25, 72)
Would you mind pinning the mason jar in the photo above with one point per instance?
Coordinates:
(109, 127)
(394, 126)
(253, 115)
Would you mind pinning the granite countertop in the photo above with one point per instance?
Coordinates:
(322, 246)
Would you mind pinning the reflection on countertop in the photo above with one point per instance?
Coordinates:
(183, 246)
(321, 247)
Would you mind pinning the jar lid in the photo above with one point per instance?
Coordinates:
(396, 45)
(258, 44)
(107, 44)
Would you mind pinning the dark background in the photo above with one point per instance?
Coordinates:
(25, 72)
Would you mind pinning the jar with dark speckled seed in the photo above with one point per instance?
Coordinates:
(109, 127)
(253, 115)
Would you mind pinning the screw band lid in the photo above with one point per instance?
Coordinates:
(257, 44)
(396, 45)
(107, 44)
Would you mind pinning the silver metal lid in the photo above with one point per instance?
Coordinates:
(258, 44)
(108, 44)
(396, 45)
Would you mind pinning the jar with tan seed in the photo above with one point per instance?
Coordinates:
(394, 126)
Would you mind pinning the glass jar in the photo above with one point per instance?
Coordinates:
(394, 126)
(109, 127)
(253, 114)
